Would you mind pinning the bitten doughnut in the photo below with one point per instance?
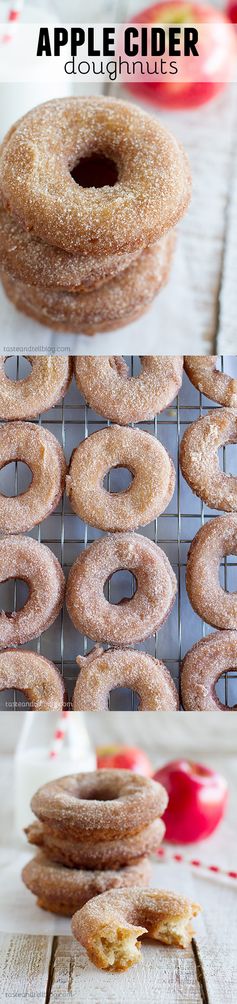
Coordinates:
(203, 373)
(47, 160)
(65, 890)
(109, 925)
(101, 672)
(104, 383)
(35, 676)
(42, 453)
(30, 260)
(118, 302)
(147, 496)
(103, 803)
(26, 559)
(44, 387)
(199, 458)
(91, 852)
(202, 668)
(134, 619)
(215, 540)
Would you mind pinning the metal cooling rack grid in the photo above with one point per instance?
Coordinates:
(66, 535)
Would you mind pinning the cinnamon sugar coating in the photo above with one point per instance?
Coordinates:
(101, 672)
(147, 496)
(26, 559)
(105, 802)
(105, 385)
(35, 676)
(31, 261)
(42, 453)
(203, 373)
(64, 890)
(150, 195)
(132, 620)
(92, 852)
(39, 391)
(202, 668)
(116, 303)
(109, 925)
(215, 540)
(199, 458)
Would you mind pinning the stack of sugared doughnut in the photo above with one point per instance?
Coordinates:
(90, 191)
(95, 832)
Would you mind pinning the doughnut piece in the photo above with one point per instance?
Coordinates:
(104, 383)
(147, 195)
(109, 925)
(35, 676)
(40, 450)
(65, 890)
(116, 303)
(29, 259)
(203, 373)
(202, 668)
(92, 852)
(215, 540)
(149, 493)
(39, 391)
(102, 802)
(134, 619)
(199, 458)
(26, 559)
(101, 672)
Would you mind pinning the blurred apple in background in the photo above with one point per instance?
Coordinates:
(214, 65)
(197, 800)
(126, 758)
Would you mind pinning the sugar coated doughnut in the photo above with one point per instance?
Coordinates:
(104, 802)
(149, 493)
(199, 458)
(202, 668)
(109, 925)
(47, 160)
(101, 672)
(203, 373)
(26, 559)
(132, 620)
(118, 302)
(35, 676)
(215, 540)
(40, 390)
(92, 852)
(65, 890)
(105, 384)
(29, 259)
(40, 450)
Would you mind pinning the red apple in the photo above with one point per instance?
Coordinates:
(124, 757)
(213, 67)
(197, 800)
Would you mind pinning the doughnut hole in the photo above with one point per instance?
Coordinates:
(15, 479)
(120, 587)
(118, 480)
(95, 171)
(14, 700)
(14, 593)
(227, 457)
(228, 574)
(17, 369)
(223, 688)
(123, 697)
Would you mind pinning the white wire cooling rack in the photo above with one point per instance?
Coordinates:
(66, 535)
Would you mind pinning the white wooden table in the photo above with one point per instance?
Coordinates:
(54, 969)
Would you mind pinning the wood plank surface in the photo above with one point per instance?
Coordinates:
(24, 968)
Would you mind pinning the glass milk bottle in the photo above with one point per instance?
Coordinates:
(40, 757)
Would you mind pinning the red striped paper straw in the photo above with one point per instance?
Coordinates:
(12, 18)
(59, 735)
(195, 863)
